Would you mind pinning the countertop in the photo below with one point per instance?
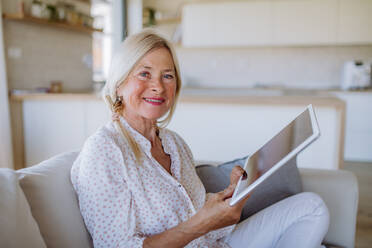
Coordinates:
(54, 96)
(219, 96)
(207, 92)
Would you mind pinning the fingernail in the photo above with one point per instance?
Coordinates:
(244, 175)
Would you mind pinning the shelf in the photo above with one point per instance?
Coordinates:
(164, 21)
(64, 25)
(168, 21)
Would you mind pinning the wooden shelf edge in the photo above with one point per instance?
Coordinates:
(168, 21)
(25, 18)
(85, 1)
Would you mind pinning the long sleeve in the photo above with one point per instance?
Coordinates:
(123, 201)
(105, 201)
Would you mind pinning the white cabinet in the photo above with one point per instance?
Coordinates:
(96, 115)
(222, 132)
(355, 22)
(51, 127)
(304, 22)
(54, 126)
(277, 23)
(358, 133)
(227, 23)
(215, 131)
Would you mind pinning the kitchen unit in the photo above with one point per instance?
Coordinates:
(277, 23)
(358, 126)
(217, 129)
(272, 55)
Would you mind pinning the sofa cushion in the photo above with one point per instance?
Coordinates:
(54, 203)
(339, 190)
(283, 183)
(18, 228)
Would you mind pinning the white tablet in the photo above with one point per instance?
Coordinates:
(285, 145)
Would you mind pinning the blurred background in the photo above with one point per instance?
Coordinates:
(248, 67)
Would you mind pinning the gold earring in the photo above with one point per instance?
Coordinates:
(118, 104)
(119, 99)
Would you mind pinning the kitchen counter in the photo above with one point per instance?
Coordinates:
(54, 96)
(268, 91)
(218, 95)
(86, 112)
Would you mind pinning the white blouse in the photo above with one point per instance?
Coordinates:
(123, 202)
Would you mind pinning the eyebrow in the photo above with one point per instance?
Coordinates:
(149, 68)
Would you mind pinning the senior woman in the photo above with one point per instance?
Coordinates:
(136, 180)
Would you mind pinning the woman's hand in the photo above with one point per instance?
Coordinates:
(235, 175)
(216, 212)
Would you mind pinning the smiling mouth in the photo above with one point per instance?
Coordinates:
(154, 101)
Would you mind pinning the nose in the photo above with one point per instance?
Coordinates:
(157, 85)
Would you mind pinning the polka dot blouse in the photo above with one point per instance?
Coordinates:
(123, 202)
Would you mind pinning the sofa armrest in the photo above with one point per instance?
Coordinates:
(339, 190)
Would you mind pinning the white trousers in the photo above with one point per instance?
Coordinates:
(299, 221)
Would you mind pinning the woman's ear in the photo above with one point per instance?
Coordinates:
(118, 90)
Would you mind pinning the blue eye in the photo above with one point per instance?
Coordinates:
(144, 74)
(168, 76)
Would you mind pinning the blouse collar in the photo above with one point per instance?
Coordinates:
(145, 145)
(141, 140)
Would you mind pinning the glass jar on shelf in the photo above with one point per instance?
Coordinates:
(36, 9)
(61, 11)
(52, 13)
(87, 21)
(72, 16)
(148, 17)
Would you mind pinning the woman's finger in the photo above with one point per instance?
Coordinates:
(236, 173)
(228, 192)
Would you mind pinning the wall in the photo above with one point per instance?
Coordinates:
(134, 16)
(300, 67)
(6, 154)
(47, 54)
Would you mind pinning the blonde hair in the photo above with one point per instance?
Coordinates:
(130, 52)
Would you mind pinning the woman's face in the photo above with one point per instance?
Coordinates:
(150, 87)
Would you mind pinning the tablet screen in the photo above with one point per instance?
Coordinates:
(287, 140)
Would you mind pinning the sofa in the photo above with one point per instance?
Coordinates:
(39, 208)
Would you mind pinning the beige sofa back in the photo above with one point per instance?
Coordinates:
(17, 226)
(43, 195)
(54, 203)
